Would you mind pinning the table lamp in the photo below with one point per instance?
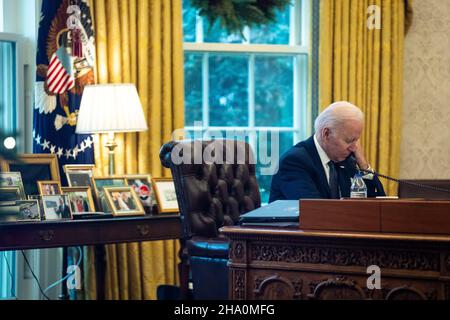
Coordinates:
(110, 108)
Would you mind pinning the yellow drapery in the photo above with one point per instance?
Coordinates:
(140, 41)
(365, 66)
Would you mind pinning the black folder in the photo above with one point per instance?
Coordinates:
(280, 212)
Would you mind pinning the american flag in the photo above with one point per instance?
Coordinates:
(60, 77)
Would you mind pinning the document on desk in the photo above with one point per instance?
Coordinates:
(281, 213)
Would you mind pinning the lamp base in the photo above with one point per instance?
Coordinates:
(111, 145)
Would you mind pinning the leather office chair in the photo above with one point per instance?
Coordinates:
(211, 193)
(412, 191)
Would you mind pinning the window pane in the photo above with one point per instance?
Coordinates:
(269, 142)
(228, 90)
(7, 86)
(193, 88)
(274, 33)
(189, 21)
(228, 134)
(218, 34)
(274, 91)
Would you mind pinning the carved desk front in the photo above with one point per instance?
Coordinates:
(275, 263)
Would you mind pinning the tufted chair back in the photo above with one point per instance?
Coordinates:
(215, 183)
(213, 189)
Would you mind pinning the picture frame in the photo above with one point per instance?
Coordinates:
(123, 201)
(78, 167)
(20, 210)
(99, 183)
(142, 185)
(79, 175)
(56, 207)
(111, 181)
(12, 180)
(83, 205)
(48, 188)
(165, 194)
(11, 194)
(33, 167)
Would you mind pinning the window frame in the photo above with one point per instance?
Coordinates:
(20, 111)
(299, 44)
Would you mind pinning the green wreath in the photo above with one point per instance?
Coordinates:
(235, 15)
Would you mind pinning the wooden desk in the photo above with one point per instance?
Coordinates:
(53, 234)
(275, 263)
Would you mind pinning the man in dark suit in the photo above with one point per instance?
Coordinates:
(323, 165)
(63, 210)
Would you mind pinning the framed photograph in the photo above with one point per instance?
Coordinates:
(166, 196)
(33, 167)
(49, 188)
(111, 181)
(11, 194)
(80, 199)
(101, 182)
(123, 201)
(79, 175)
(21, 210)
(142, 185)
(56, 207)
(12, 180)
(79, 178)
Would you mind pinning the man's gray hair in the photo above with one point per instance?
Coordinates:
(336, 114)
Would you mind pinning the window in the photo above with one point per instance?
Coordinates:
(11, 86)
(253, 87)
(7, 87)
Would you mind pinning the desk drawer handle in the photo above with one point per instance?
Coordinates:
(46, 235)
(144, 229)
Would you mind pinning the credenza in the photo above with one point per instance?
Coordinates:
(64, 233)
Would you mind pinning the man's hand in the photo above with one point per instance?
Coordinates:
(359, 156)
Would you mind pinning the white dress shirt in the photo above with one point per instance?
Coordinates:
(323, 158)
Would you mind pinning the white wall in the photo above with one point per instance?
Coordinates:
(1, 15)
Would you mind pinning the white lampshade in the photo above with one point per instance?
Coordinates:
(110, 108)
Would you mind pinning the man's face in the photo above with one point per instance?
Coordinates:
(338, 143)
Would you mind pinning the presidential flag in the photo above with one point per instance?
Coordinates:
(64, 65)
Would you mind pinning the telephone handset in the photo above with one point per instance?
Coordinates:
(415, 184)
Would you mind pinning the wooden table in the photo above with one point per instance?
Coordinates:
(53, 234)
(277, 263)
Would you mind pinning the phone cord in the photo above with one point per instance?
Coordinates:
(420, 185)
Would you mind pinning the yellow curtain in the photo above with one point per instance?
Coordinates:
(364, 65)
(140, 41)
